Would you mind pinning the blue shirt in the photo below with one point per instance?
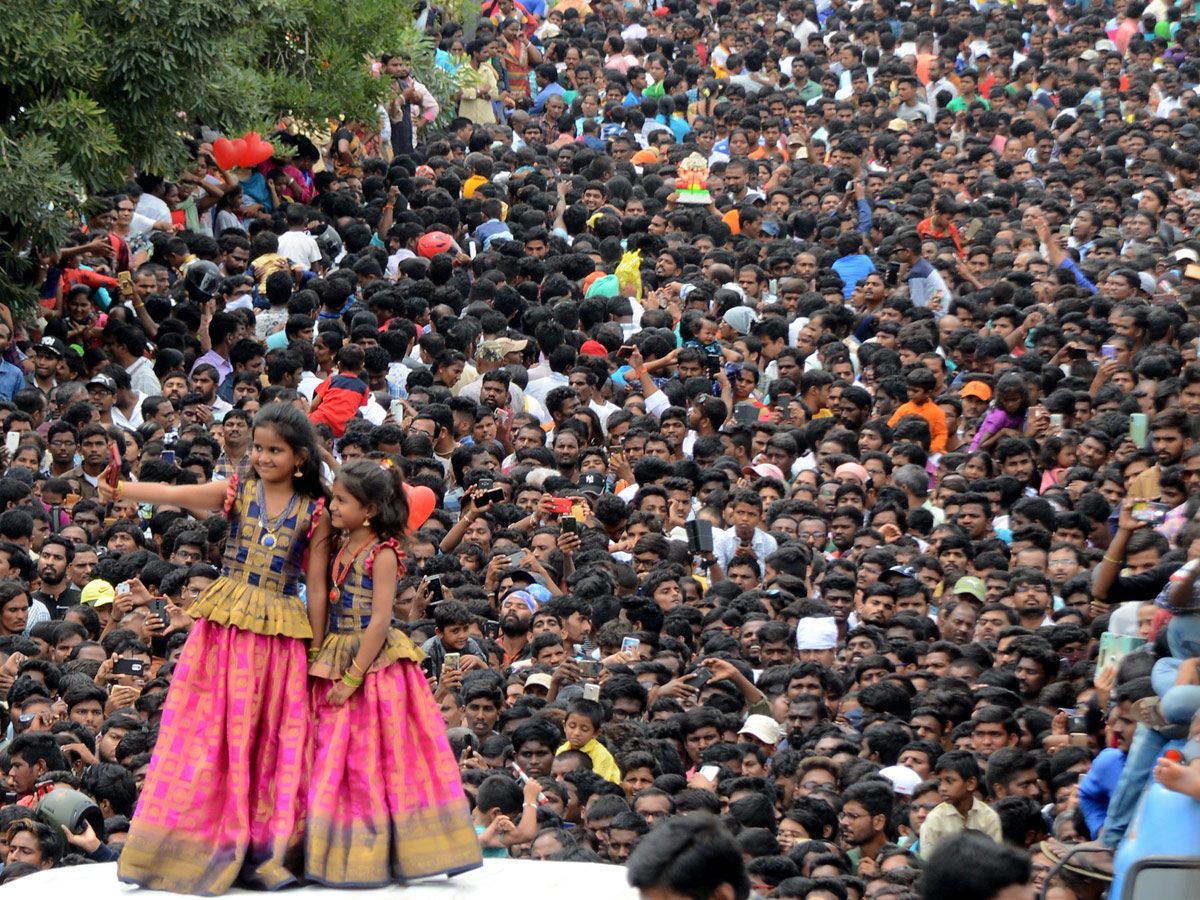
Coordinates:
(852, 269)
(539, 102)
(12, 380)
(1098, 785)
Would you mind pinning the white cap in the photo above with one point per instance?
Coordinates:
(764, 728)
(903, 779)
(816, 633)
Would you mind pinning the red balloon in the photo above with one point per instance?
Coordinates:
(421, 501)
(257, 150)
(227, 152)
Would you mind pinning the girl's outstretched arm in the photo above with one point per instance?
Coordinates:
(187, 496)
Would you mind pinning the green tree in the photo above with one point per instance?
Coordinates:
(90, 88)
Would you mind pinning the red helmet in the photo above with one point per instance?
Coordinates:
(430, 245)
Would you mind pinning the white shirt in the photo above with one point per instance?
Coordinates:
(725, 544)
(141, 376)
(299, 247)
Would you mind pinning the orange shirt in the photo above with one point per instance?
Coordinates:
(931, 413)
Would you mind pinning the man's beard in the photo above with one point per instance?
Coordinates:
(51, 577)
(515, 626)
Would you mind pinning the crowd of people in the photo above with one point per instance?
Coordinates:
(778, 423)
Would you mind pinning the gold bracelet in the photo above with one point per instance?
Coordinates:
(351, 681)
(1107, 558)
(355, 667)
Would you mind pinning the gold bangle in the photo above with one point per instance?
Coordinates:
(1107, 558)
(355, 667)
(120, 490)
(351, 681)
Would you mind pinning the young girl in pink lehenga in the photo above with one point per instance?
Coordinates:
(385, 802)
(224, 796)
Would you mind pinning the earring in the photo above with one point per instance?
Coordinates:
(299, 470)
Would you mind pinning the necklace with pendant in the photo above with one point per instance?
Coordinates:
(340, 574)
(272, 525)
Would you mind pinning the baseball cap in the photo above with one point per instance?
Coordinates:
(977, 389)
(764, 728)
(903, 779)
(104, 381)
(795, 139)
(593, 348)
(97, 593)
(591, 482)
(741, 319)
(53, 345)
(538, 679)
(897, 124)
(969, 584)
(765, 470)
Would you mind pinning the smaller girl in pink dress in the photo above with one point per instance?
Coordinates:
(385, 802)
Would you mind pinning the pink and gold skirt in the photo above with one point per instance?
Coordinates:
(385, 802)
(224, 795)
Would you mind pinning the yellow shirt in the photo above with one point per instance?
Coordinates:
(945, 821)
(603, 763)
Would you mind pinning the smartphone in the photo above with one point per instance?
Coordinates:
(699, 678)
(624, 352)
(158, 607)
(123, 587)
(1192, 270)
(129, 666)
(26, 719)
(435, 590)
(591, 692)
(699, 536)
(578, 512)
(745, 413)
(710, 772)
(570, 524)
(1064, 230)
(1077, 724)
(114, 467)
(451, 661)
(493, 496)
(1150, 513)
(1056, 420)
(126, 280)
(630, 645)
(1139, 425)
(973, 228)
(1079, 353)
(560, 506)
(491, 630)
(591, 668)
(1108, 351)
(12, 441)
(168, 456)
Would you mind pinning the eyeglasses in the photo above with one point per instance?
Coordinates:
(62, 443)
(928, 807)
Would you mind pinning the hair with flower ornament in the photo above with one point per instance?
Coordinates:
(381, 485)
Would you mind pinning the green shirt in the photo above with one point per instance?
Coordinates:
(961, 102)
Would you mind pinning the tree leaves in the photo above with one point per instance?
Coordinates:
(89, 88)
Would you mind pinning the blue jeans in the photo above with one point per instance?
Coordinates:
(1179, 705)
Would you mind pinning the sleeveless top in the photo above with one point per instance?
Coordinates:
(350, 614)
(259, 586)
